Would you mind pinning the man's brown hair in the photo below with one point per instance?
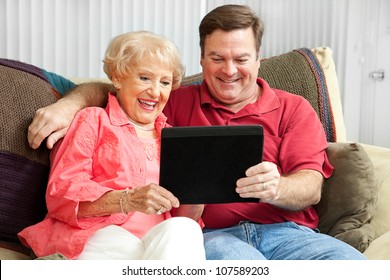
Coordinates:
(228, 18)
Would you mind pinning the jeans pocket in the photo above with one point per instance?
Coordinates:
(300, 227)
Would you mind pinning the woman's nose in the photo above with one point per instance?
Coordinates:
(154, 90)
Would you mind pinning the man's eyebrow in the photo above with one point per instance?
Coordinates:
(239, 56)
(244, 55)
(214, 53)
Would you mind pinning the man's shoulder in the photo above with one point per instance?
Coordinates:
(185, 95)
(289, 98)
(186, 90)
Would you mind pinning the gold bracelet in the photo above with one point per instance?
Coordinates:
(124, 193)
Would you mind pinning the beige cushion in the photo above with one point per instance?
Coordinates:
(349, 196)
(381, 164)
(379, 248)
(78, 80)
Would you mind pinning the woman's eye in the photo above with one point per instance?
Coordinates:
(165, 83)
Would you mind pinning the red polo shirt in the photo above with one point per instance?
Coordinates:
(294, 140)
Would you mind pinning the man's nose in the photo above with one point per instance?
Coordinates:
(229, 68)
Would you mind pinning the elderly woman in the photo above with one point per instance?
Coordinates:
(103, 197)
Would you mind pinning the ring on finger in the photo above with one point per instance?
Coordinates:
(264, 187)
(160, 211)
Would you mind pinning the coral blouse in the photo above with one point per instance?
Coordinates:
(101, 152)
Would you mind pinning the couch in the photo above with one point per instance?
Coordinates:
(354, 206)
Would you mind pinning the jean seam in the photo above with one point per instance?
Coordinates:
(249, 232)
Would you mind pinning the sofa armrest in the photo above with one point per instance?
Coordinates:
(8, 254)
(379, 248)
(380, 158)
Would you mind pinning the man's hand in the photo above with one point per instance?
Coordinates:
(293, 192)
(262, 182)
(51, 121)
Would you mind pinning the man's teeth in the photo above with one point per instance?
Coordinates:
(229, 81)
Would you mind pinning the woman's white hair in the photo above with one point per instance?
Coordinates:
(127, 51)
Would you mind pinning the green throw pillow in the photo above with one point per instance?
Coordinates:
(349, 196)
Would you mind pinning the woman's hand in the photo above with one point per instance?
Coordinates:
(150, 199)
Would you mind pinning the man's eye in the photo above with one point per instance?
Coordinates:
(143, 78)
(217, 59)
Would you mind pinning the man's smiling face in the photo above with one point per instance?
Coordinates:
(230, 65)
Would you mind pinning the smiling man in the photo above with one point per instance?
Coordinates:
(288, 182)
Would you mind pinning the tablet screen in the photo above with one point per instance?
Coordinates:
(200, 165)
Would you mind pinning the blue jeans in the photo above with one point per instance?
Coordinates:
(283, 241)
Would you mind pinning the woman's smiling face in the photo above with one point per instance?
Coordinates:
(145, 91)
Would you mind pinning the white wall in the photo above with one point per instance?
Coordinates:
(69, 37)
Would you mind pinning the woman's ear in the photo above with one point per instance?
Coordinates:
(116, 82)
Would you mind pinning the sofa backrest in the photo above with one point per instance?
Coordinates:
(25, 88)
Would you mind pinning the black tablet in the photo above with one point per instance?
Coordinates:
(202, 164)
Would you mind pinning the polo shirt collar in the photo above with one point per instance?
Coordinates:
(267, 102)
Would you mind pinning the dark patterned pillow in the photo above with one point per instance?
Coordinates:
(23, 171)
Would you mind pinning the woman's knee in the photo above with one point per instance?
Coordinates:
(182, 225)
(177, 238)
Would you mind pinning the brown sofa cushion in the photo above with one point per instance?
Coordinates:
(349, 196)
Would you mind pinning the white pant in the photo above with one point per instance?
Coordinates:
(177, 238)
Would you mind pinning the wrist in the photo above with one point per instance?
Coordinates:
(123, 202)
